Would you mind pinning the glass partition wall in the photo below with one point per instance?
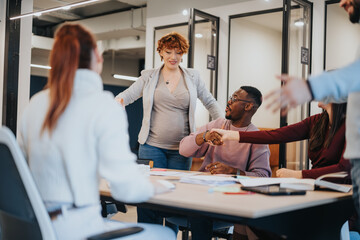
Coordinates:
(255, 57)
(299, 45)
(203, 29)
(263, 44)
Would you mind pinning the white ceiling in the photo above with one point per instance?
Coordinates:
(62, 15)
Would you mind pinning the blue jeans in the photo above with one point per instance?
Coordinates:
(164, 158)
(355, 176)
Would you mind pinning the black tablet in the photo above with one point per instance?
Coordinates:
(274, 190)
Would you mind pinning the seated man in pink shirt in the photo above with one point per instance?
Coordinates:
(231, 158)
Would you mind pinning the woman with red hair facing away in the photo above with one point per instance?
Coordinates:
(72, 134)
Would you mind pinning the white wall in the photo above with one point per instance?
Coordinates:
(342, 38)
(2, 52)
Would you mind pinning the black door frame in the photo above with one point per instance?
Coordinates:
(192, 21)
(285, 62)
(11, 65)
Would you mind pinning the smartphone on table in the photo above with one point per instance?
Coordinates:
(274, 190)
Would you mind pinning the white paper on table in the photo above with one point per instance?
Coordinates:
(253, 182)
(173, 173)
(209, 180)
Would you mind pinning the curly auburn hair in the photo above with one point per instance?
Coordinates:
(173, 40)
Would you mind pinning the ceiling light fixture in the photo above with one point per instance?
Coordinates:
(123, 77)
(198, 35)
(40, 66)
(299, 22)
(185, 12)
(67, 7)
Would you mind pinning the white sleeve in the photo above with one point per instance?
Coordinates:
(116, 162)
(135, 91)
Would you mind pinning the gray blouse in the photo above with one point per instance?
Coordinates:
(145, 87)
(170, 115)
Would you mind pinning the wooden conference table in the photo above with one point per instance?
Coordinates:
(316, 215)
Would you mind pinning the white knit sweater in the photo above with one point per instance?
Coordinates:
(89, 141)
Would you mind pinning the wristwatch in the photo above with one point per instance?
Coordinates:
(204, 135)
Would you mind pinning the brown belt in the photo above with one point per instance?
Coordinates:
(53, 214)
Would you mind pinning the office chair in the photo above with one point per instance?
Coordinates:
(220, 229)
(22, 211)
(111, 206)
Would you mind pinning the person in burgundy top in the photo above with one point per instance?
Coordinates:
(326, 134)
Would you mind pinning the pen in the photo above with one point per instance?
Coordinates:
(158, 170)
(239, 193)
(240, 177)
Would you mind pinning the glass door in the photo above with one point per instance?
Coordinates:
(296, 61)
(255, 47)
(262, 44)
(203, 54)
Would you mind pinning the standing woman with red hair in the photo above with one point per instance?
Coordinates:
(169, 97)
(72, 134)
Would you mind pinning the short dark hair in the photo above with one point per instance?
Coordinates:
(254, 93)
